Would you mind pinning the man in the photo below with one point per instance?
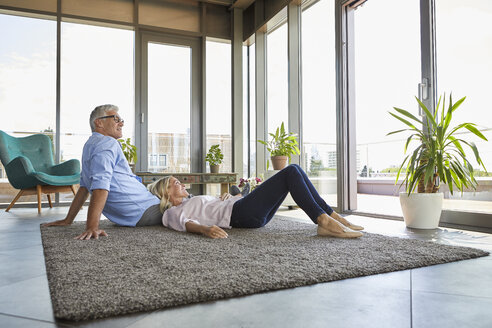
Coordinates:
(106, 175)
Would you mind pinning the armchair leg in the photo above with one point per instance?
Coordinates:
(49, 200)
(39, 190)
(15, 199)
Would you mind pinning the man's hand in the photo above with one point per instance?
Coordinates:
(96, 206)
(79, 199)
(215, 232)
(91, 233)
(64, 222)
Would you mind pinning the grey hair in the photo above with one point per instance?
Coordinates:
(100, 111)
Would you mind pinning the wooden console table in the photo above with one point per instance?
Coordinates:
(225, 179)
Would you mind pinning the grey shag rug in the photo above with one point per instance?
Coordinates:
(149, 268)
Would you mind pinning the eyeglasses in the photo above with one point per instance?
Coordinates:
(117, 119)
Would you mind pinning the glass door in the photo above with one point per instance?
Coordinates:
(386, 76)
(170, 102)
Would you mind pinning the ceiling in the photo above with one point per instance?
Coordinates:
(242, 4)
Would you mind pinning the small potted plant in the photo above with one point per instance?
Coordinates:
(130, 152)
(438, 156)
(281, 147)
(214, 158)
(253, 182)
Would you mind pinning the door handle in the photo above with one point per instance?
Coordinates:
(423, 92)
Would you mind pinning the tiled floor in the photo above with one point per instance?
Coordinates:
(449, 295)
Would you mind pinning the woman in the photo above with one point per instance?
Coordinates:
(207, 215)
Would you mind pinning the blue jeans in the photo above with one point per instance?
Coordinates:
(257, 208)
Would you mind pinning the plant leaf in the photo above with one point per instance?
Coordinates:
(404, 121)
(407, 114)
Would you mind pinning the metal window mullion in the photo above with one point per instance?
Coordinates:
(202, 166)
(294, 69)
(260, 94)
(141, 99)
(345, 117)
(58, 93)
(248, 109)
(237, 91)
(140, 117)
(428, 53)
(198, 138)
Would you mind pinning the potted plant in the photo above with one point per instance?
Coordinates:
(281, 147)
(214, 158)
(253, 182)
(437, 157)
(130, 152)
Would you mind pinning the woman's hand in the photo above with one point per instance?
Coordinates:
(212, 231)
(215, 232)
(225, 196)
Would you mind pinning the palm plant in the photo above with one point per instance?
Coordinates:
(439, 156)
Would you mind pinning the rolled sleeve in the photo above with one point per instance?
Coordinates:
(102, 164)
(102, 170)
(184, 221)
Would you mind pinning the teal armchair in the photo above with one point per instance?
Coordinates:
(30, 167)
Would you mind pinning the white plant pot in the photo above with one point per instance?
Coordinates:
(421, 211)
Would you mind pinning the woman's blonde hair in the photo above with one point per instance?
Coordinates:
(160, 189)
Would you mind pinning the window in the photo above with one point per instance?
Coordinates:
(464, 67)
(387, 72)
(219, 105)
(249, 111)
(245, 118)
(319, 98)
(252, 110)
(277, 78)
(96, 69)
(27, 83)
(169, 105)
(157, 162)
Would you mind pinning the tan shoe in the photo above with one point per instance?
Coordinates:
(354, 226)
(346, 233)
(346, 222)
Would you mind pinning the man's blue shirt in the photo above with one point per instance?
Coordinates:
(104, 166)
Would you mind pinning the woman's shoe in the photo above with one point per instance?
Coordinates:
(234, 190)
(346, 222)
(346, 233)
(245, 190)
(354, 226)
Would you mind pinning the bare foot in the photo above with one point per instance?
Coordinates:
(345, 222)
(327, 226)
